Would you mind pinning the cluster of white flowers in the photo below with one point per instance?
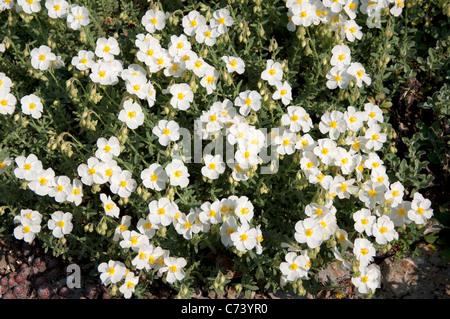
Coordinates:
(341, 14)
(103, 168)
(75, 15)
(44, 182)
(7, 100)
(359, 173)
(343, 71)
(30, 221)
(148, 258)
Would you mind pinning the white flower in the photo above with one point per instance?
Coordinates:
(192, 21)
(111, 272)
(187, 225)
(5, 163)
(7, 101)
(352, 30)
(6, 5)
(357, 71)
(179, 45)
(42, 57)
(375, 138)
(84, 60)
(368, 280)
(60, 224)
(103, 73)
(384, 231)
(174, 268)
(309, 163)
(374, 115)
(351, 8)
(134, 240)
(178, 173)
(248, 100)
(131, 114)
(75, 192)
(399, 214)
(286, 142)
(337, 77)
(244, 238)
(209, 79)
(129, 285)
(354, 119)
(125, 223)
(43, 182)
(309, 231)
(345, 160)
(372, 194)
(167, 131)
(214, 166)
(32, 105)
(273, 72)
(332, 123)
(226, 229)
(302, 14)
(395, 194)
(28, 228)
(5, 82)
(244, 210)
(57, 8)
(295, 266)
(182, 96)
(206, 34)
(111, 209)
(137, 85)
(234, 64)
(107, 148)
(28, 167)
(108, 169)
(283, 92)
(247, 156)
(148, 225)
(364, 221)
(364, 251)
(221, 20)
(154, 177)
(210, 212)
(325, 150)
(343, 188)
(154, 20)
(420, 210)
(77, 17)
(61, 188)
(163, 210)
(335, 5)
(297, 119)
(90, 173)
(30, 6)
(397, 9)
(122, 183)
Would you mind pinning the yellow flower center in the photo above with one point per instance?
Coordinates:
(309, 232)
(57, 7)
(108, 207)
(212, 166)
(233, 63)
(131, 114)
(420, 211)
(61, 224)
(102, 74)
(272, 71)
(154, 20)
(383, 230)
(244, 237)
(193, 23)
(181, 96)
(283, 92)
(154, 177)
(177, 174)
(26, 229)
(210, 79)
(42, 57)
(166, 131)
(111, 270)
(161, 211)
(27, 167)
(123, 183)
(43, 181)
(333, 124)
(106, 49)
(173, 268)
(372, 193)
(221, 20)
(341, 57)
(293, 266)
(364, 251)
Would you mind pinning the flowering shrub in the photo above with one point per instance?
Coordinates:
(182, 143)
